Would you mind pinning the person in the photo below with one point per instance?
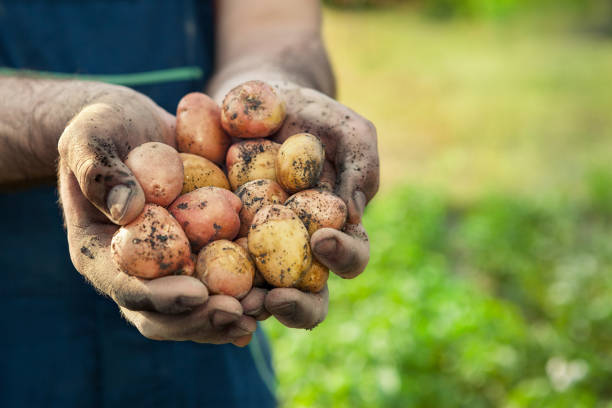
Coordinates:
(82, 83)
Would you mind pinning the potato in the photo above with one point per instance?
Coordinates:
(318, 209)
(251, 160)
(198, 128)
(255, 195)
(159, 170)
(252, 109)
(299, 162)
(279, 245)
(201, 172)
(314, 279)
(152, 246)
(258, 280)
(225, 268)
(207, 214)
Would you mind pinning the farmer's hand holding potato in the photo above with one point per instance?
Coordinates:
(100, 124)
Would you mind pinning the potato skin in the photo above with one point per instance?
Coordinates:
(255, 195)
(207, 214)
(198, 127)
(225, 268)
(251, 160)
(299, 162)
(258, 280)
(314, 279)
(152, 246)
(318, 209)
(279, 244)
(158, 168)
(251, 110)
(201, 172)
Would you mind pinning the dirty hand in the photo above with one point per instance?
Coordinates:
(98, 191)
(353, 174)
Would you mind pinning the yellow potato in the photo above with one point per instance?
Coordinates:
(251, 160)
(201, 172)
(279, 244)
(299, 162)
(255, 195)
(258, 280)
(313, 279)
(318, 209)
(225, 268)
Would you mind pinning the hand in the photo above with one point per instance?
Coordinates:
(352, 155)
(96, 188)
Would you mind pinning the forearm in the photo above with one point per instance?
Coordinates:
(288, 49)
(33, 115)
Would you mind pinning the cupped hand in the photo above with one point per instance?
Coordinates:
(352, 172)
(98, 191)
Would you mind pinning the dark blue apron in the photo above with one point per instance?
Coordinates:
(62, 344)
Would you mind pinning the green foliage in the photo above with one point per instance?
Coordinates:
(504, 303)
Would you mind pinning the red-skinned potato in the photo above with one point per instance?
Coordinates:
(314, 279)
(198, 128)
(251, 160)
(225, 268)
(207, 214)
(299, 162)
(318, 209)
(159, 170)
(255, 195)
(251, 110)
(201, 172)
(152, 246)
(258, 280)
(280, 246)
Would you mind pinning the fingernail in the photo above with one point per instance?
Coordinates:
(190, 300)
(326, 247)
(117, 201)
(285, 309)
(223, 318)
(238, 332)
(360, 200)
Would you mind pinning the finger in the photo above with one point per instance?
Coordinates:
(345, 253)
(297, 309)
(253, 302)
(357, 166)
(243, 341)
(87, 148)
(212, 322)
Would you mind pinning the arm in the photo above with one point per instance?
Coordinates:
(280, 42)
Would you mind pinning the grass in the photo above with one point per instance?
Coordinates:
(522, 106)
(491, 269)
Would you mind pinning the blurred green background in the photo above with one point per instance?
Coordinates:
(490, 281)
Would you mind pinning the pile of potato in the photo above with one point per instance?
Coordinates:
(234, 209)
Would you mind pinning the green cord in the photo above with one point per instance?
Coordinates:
(137, 78)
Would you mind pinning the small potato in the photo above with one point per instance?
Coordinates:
(251, 160)
(152, 246)
(314, 279)
(207, 214)
(255, 195)
(279, 245)
(327, 181)
(318, 209)
(159, 170)
(258, 280)
(252, 109)
(198, 127)
(201, 172)
(299, 162)
(225, 268)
